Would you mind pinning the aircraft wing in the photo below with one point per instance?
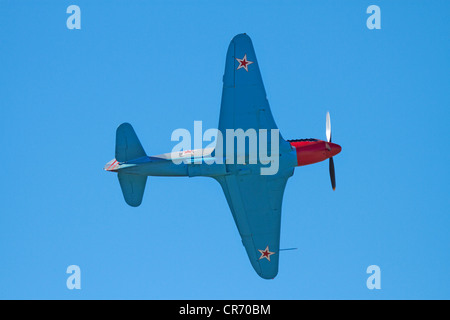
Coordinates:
(255, 202)
(244, 101)
(254, 199)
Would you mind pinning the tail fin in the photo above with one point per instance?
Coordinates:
(133, 187)
(128, 146)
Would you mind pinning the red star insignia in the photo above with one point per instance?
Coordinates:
(265, 253)
(244, 63)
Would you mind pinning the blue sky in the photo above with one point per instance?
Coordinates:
(159, 65)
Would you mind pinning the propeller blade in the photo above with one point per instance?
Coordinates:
(328, 129)
(332, 174)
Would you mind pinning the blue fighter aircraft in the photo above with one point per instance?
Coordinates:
(254, 199)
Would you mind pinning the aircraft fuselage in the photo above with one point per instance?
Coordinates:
(307, 151)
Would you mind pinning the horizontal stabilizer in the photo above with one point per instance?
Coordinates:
(128, 146)
(133, 187)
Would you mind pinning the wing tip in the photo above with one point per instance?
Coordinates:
(241, 36)
(268, 276)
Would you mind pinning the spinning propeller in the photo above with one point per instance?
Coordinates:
(331, 162)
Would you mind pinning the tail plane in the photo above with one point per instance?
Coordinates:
(133, 187)
(128, 147)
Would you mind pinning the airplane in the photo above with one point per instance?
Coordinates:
(254, 199)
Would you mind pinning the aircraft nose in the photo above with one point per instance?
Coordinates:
(335, 149)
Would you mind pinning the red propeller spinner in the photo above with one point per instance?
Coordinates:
(311, 151)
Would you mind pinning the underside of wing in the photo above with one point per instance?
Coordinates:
(244, 102)
(254, 198)
(255, 202)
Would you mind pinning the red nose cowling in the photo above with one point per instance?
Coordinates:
(311, 151)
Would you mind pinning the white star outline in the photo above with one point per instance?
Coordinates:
(243, 63)
(266, 253)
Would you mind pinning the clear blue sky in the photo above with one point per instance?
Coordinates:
(159, 65)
